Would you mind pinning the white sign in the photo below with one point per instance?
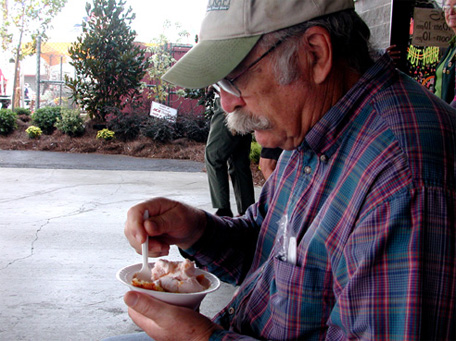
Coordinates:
(162, 111)
(430, 28)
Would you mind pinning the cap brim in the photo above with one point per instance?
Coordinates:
(209, 61)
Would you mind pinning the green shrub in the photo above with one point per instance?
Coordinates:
(46, 118)
(106, 134)
(255, 152)
(158, 129)
(22, 111)
(71, 123)
(194, 127)
(125, 125)
(33, 132)
(7, 121)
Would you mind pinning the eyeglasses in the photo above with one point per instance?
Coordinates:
(227, 84)
(448, 8)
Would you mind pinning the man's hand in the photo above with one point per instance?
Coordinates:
(394, 53)
(162, 321)
(170, 223)
(267, 166)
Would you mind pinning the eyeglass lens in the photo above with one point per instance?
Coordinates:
(229, 87)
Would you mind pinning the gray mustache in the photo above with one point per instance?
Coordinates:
(242, 122)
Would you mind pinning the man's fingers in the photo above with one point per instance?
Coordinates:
(158, 319)
(146, 305)
(134, 227)
(158, 248)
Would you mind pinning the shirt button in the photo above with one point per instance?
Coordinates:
(231, 310)
(323, 158)
(307, 170)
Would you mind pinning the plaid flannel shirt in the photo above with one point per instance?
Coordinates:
(370, 197)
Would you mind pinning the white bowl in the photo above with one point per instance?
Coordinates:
(189, 300)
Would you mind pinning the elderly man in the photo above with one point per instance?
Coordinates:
(354, 236)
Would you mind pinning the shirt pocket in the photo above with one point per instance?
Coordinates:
(302, 301)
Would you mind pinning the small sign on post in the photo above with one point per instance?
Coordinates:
(430, 28)
(162, 111)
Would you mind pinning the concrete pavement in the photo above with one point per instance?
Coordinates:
(62, 242)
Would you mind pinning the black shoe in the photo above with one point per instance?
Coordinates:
(224, 212)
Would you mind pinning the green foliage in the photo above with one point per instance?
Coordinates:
(205, 97)
(22, 111)
(27, 19)
(255, 152)
(33, 132)
(23, 114)
(158, 129)
(194, 127)
(160, 61)
(125, 125)
(106, 134)
(109, 66)
(46, 118)
(71, 123)
(7, 121)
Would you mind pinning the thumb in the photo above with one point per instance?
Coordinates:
(146, 305)
(158, 319)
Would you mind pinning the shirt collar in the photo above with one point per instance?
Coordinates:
(326, 135)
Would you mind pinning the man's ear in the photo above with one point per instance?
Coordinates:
(317, 44)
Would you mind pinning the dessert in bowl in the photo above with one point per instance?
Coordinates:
(190, 285)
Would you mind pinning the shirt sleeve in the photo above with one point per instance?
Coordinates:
(225, 335)
(227, 247)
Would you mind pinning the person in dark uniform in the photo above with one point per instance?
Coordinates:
(227, 156)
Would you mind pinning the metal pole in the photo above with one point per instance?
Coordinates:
(38, 71)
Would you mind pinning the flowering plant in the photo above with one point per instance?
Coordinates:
(106, 134)
(33, 132)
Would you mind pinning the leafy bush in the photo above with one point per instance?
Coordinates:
(255, 152)
(7, 121)
(109, 66)
(46, 118)
(71, 123)
(194, 127)
(125, 125)
(22, 111)
(106, 134)
(33, 132)
(158, 129)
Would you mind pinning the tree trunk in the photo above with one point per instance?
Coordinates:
(16, 66)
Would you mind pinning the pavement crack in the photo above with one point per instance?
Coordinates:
(32, 247)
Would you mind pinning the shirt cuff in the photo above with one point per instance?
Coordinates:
(225, 335)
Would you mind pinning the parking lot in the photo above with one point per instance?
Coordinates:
(62, 241)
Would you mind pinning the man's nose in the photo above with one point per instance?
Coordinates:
(230, 102)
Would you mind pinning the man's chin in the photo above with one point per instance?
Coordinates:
(263, 137)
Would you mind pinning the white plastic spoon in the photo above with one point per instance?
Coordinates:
(145, 274)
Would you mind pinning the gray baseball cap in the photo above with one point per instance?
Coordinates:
(230, 30)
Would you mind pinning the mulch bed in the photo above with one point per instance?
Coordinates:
(182, 149)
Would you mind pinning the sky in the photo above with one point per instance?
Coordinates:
(150, 15)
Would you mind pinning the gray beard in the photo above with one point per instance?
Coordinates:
(242, 122)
